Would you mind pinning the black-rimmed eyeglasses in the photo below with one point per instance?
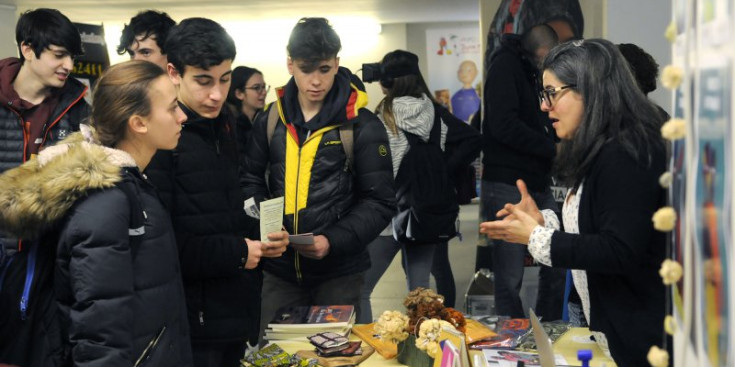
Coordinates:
(259, 88)
(547, 94)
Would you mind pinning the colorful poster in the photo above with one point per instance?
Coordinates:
(89, 67)
(454, 61)
(712, 207)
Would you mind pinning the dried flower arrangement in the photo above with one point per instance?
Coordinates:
(425, 317)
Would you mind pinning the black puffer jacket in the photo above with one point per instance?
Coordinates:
(65, 119)
(114, 295)
(199, 184)
(324, 195)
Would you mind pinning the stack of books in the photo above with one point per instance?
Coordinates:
(300, 322)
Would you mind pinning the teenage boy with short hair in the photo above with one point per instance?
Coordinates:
(344, 202)
(39, 105)
(40, 102)
(145, 37)
(199, 183)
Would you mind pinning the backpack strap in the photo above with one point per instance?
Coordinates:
(346, 133)
(272, 122)
(136, 228)
(435, 136)
(30, 274)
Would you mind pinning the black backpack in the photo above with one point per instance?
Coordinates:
(31, 332)
(426, 198)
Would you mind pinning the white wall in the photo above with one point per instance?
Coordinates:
(643, 23)
(8, 18)
(361, 43)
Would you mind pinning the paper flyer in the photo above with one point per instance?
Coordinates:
(510, 358)
(301, 239)
(271, 217)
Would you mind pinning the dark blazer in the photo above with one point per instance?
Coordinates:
(621, 251)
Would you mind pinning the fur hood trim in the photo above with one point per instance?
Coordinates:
(39, 193)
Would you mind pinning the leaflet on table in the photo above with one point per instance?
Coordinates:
(271, 217)
(510, 358)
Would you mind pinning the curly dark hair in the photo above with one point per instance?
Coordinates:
(149, 23)
(643, 66)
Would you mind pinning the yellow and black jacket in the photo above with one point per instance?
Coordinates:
(306, 164)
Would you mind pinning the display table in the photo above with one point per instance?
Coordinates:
(567, 345)
(579, 338)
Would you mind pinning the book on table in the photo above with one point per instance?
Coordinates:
(297, 322)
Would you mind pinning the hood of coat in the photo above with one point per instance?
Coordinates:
(414, 115)
(341, 105)
(39, 193)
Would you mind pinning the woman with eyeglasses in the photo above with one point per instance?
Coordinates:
(611, 156)
(246, 99)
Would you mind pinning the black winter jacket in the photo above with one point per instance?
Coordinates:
(518, 140)
(199, 183)
(324, 195)
(65, 119)
(113, 298)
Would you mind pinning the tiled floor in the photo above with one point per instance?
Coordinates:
(392, 289)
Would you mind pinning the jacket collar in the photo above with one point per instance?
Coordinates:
(40, 192)
(341, 105)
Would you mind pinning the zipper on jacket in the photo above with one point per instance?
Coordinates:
(46, 129)
(297, 264)
(201, 309)
(216, 135)
(25, 134)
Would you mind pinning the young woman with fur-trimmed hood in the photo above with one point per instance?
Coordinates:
(103, 243)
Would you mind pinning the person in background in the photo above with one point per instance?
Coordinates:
(117, 292)
(644, 68)
(246, 99)
(408, 108)
(145, 37)
(518, 143)
(199, 183)
(343, 195)
(39, 105)
(612, 155)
